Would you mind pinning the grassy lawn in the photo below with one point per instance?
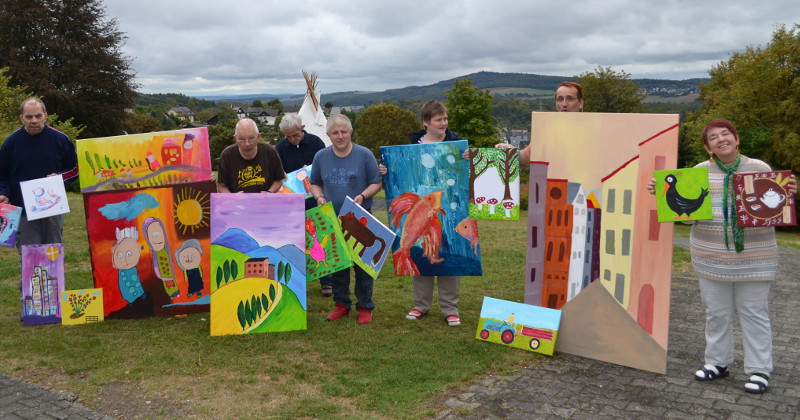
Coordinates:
(166, 367)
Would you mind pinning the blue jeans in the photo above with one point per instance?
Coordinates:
(362, 289)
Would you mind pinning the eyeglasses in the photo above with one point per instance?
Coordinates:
(568, 99)
(247, 140)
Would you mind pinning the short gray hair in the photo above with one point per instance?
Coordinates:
(244, 121)
(338, 120)
(291, 120)
(31, 99)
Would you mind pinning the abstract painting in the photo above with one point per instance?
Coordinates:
(257, 263)
(326, 251)
(682, 194)
(9, 224)
(144, 160)
(427, 197)
(763, 199)
(150, 249)
(368, 240)
(44, 197)
(81, 306)
(596, 249)
(494, 184)
(518, 325)
(298, 182)
(42, 283)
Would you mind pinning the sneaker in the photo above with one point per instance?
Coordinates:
(364, 315)
(327, 290)
(415, 314)
(453, 320)
(339, 312)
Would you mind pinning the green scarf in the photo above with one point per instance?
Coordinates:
(728, 203)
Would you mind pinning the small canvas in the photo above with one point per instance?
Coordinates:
(44, 197)
(326, 251)
(682, 194)
(763, 199)
(368, 240)
(494, 184)
(42, 283)
(519, 325)
(9, 224)
(81, 306)
(298, 182)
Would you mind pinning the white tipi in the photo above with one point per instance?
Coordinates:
(311, 111)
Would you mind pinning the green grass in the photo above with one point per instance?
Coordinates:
(390, 368)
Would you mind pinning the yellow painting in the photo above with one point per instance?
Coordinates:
(81, 306)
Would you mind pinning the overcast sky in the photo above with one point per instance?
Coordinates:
(209, 47)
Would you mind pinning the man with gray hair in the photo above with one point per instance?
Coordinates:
(249, 165)
(299, 147)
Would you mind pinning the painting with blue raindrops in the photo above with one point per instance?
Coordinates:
(427, 197)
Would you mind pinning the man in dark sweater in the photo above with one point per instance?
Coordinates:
(34, 151)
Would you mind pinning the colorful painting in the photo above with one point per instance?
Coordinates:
(81, 306)
(518, 325)
(144, 160)
(298, 182)
(9, 224)
(326, 251)
(427, 197)
(44, 197)
(368, 240)
(150, 249)
(494, 184)
(762, 199)
(592, 226)
(682, 194)
(257, 263)
(42, 283)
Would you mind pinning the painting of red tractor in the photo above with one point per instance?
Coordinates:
(514, 324)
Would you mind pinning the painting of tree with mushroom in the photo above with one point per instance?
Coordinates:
(494, 184)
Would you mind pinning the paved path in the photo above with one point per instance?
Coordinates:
(567, 386)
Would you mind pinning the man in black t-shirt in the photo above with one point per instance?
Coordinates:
(249, 165)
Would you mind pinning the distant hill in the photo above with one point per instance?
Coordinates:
(524, 85)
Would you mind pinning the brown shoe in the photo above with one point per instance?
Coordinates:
(339, 312)
(364, 315)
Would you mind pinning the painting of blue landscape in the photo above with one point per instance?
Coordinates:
(427, 197)
(258, 280)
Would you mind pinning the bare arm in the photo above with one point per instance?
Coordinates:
(316, 192)
(368, 192)
(222, 188)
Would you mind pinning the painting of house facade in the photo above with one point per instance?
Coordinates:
(9, 224)
(144, 160)
(150, 249)
(494, 184)
(42, 283)
(257, 263)
(427, 197)
(368, 240)
(596, 166)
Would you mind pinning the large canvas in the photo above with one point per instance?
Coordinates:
(44, 197)
(326, 251)
(494, 184)
(368, 240)
(427, 197)
(592, 225)
(257, 263)
(150, 249)
(42, 283)
(298, 182)
(144, 160)
(518, 325)
(81, 306)
(763, 199)
(9, 224)
(682, 194)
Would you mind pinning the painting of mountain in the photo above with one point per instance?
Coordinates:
(257, 263)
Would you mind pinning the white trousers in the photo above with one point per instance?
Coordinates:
(750, 300)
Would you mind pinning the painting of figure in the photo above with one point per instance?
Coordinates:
(427, 196)
(42, 283)
(144, 160)
(9, 224)
(326, 251)
(149, 249)
(258, 280)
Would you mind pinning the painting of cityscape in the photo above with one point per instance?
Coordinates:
(42, 283)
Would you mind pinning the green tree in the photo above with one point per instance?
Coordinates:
(384, 125)
(257, 104)
(70, 55)
(276, 104)
(139, 121)
(469, 112)
(514, 113)
(606, 90)
(758, 90)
